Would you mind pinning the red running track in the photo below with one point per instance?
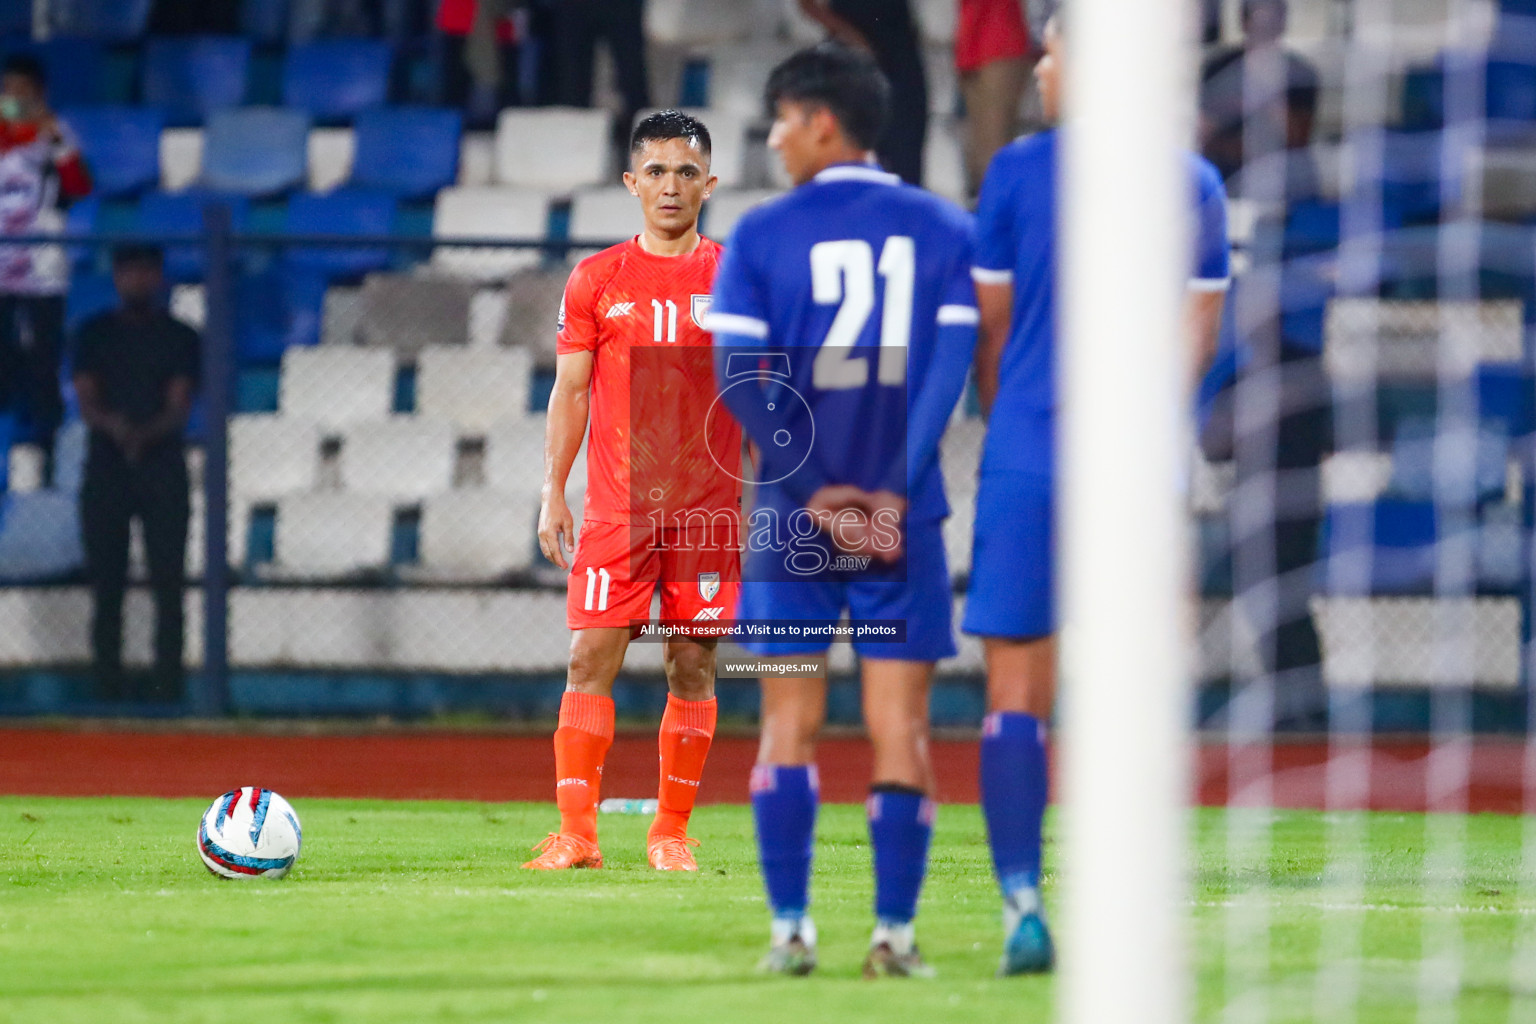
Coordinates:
(480, 766)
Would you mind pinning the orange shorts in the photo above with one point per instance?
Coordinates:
(618, 567)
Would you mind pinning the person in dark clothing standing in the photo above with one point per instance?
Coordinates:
(886, 30)
(577, 26)
(135, 371)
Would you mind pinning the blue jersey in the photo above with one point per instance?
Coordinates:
(1016, 243)
(846, 307)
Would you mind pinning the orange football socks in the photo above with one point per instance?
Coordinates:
(581, 744)
(687, 727)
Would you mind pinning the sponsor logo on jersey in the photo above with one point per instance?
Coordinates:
(709, 585)
(707, 614)
(699, 309)
(619, 309)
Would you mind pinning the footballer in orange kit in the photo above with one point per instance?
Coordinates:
(663, 501)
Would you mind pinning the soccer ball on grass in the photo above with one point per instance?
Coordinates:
(249, 833)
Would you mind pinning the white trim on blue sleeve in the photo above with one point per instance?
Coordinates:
(986, 275)
(735, 323)
(1210, 284)
(964, 316)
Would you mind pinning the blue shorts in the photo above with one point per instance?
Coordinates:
(920, 595)
(1011, 592)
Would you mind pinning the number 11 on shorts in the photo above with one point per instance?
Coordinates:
(594, 576)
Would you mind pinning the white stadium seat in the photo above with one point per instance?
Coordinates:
(554, 148)
(481, 212)
(737, 75)
(340, 314)
(335, 385)
(514, 460)
(690, 23)
(403, 457)
(181, 158)
(330, 151)
(473, 388)
(330, 534)
(477, 534)
(270, 456)
(725, 208)
(944, 158)
(605, 215)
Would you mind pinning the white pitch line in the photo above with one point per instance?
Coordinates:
(1361, 908)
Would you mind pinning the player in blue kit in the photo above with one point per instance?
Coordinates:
(1010, 602)
(844, 320)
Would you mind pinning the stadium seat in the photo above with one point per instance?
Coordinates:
(340, 213)
(262, 323)
(477, 535)
(487, 318)
(737, 75)
(335, 385)
(943, 158)
(266, 22)
(76, 67)
(488, 213)
(339, 316)
(514, 457)
(117, 21)
(121, 145)
(192, 78)
(407, 313)
(39, 536)
(331, 153)
(698, 23)
(1384, 547)
(411, 152)
(604, 215)
(402, 457)
(181, 158)
(936, 21)
(272, 456)
(168, 214)
(331, 535)
(255, 151)
(532, 312)
(725, 207)
(336, 79)
(472, 388)
(89, 293)
(958, 531)
(556, 148)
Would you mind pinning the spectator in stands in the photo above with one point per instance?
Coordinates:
(576, 26)
(993, 54)
(479, 65)
(1259, 99)
(135, 371)
(40, 169)
(886, 29)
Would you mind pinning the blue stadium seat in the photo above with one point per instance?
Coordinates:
(1383, 547)
(76, 67)
(408, 151)
(194, 77)
(1507, 394)
(345, 212)
(181, 213)
(255, 151)
(336, 79)
(261, 318)
(308, 271)
(117, 21)
(121, 146)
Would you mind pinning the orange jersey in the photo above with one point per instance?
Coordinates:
(659, 445)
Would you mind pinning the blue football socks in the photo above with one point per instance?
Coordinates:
(1013, 792)
(900, 827)
(784, 799)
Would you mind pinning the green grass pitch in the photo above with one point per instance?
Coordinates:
(418, 912)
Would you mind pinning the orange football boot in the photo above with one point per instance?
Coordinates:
(562, 850)
(671, 853)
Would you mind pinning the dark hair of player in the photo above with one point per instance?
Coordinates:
(844, 81)
(136, 254)
(669, 124)
(28, 67)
